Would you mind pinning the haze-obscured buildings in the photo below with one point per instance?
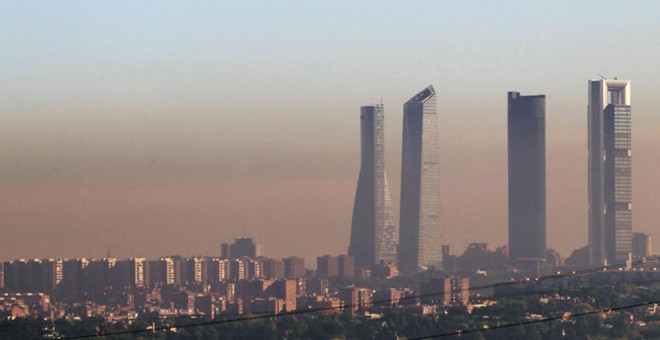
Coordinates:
(641, 246)
(241, 247)
(451, 290)
(335, 266)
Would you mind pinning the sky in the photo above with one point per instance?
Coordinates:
(154, 128)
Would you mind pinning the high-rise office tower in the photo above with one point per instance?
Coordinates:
(526, 143)
(372, 233)
(419, 233)
(610, 185)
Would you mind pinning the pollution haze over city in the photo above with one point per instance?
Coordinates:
(156, 128)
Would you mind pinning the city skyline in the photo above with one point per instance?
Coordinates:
(120, 128)
(373, 237)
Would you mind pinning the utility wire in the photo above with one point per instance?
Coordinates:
(313, 310)
(406, 298)
(421, 296)
(475, 330)
(565, 316)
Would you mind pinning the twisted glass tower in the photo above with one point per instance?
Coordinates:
(419, 233)
(372, 231)
(610, 180)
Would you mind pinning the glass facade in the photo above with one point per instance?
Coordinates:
(610, 171)
(419, 233)
(372, 232)
(618, 183)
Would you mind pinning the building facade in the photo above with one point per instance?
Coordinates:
(242, 247)
(526, 162)
(419, 233)
(372, 231)
(451, 290)
(294, 267)
(610, 175)
(641, 246)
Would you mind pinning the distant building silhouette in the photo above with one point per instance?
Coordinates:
(482, 256)
(419, 232)
(274, 269)
(641, 246)
(448, 259)
(346, 265)
(242, 247)
(578, 258)
(384, 270)
(372, 232)
(294, 267)
(450, 290)
(327, 266)
(526, 158)
(333, 266)
(553, 258)
(610, 182)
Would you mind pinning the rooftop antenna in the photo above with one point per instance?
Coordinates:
(602, 76)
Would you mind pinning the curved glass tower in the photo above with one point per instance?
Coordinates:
(372, 231)
(419, 233)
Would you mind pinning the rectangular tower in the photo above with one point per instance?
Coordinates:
(420, 244)
(610, 180)
(526, 158)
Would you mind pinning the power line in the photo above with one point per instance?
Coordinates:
(529, 322)
(314, 310)
(539, 278)
(218, 322)
(558, 290)
(350, 306)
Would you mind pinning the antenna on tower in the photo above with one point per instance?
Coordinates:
(602, 76)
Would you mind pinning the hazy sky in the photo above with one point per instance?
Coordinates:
(153, 128)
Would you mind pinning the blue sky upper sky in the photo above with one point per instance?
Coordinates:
(152, 117)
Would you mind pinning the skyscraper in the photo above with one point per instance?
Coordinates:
(610, 185)
(372, 231)
(526, 143)
(419, 234)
